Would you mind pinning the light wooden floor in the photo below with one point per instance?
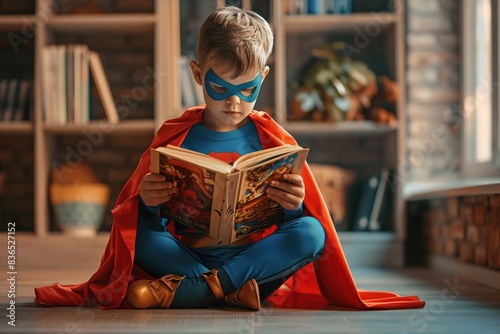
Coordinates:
(455, 304)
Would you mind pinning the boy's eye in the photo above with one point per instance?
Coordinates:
(218, 89)
(248, 91)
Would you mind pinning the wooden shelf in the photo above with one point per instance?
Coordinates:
(358, 128)
(16, 22)
(20, 127)
(305, 24)
(415, 190)
(119, 23)
(144, 126)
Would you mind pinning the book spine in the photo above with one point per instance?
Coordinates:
(21, 111)
(12, 94)
(61, 61)
(85, 86)
(70, 84)
(366, 203)
(77, 81)
(103, 88)
(330, 6)
(313, 6)
(227, 232)
(4, 84)
(375, 223)
(48, 85)
(343, 7)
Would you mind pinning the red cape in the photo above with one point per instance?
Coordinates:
(328, 282)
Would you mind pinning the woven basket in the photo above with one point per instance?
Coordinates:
(333, 183)
(79, 207)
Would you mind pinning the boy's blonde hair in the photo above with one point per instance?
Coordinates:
(236, 39)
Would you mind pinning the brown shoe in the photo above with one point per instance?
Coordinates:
(152, 294)
(214, 283)
(245, 297)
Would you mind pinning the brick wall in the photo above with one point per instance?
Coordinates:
(433, 94)
(466, 228)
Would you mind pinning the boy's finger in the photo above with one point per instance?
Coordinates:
(155, 178)
(159, 185)
(293, 178)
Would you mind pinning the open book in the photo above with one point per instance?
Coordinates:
(226, 202)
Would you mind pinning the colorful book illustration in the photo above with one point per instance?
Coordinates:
(226, 202)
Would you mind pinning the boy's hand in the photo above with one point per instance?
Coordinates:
(154, 190)
(289, 191)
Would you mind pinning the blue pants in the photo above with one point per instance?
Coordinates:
(269, 261)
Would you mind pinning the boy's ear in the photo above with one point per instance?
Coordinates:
(196, 70)
(265, 71)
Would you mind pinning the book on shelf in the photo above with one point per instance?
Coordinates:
(61, 90)
(15, 99)
(318, 7)
(67, 74)
(373, 203)
(10, 99)
(377, 214)
(102, 85)
(226, 202)
(23, 105)
(338, 7)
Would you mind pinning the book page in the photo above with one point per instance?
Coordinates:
(254, 210)
(256, 157)
(196, 158)
(197, 203)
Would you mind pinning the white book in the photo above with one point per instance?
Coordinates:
(53, 87)
(48, 85)
(77, 82)
(70, 83)
(103, 89)
(85, 85)
(60, 59)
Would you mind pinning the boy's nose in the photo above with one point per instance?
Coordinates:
(233, 100)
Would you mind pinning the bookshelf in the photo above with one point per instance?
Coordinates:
(154, 34)
(16, 137)
(382, 25)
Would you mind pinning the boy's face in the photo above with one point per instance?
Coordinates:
(228, 101)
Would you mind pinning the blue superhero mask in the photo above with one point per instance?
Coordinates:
(219, 89)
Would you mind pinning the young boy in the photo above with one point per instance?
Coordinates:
(152, 263)
(233, 48)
